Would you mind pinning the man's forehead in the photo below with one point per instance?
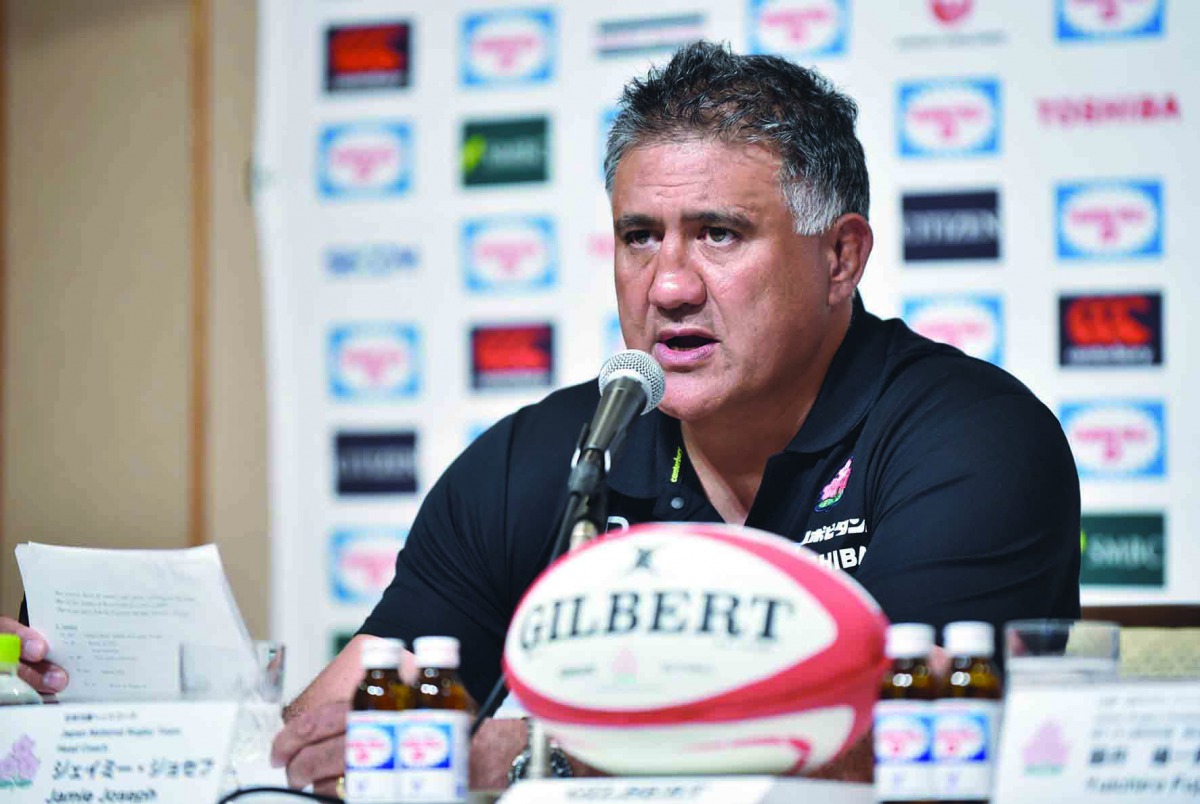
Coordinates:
(734, 179)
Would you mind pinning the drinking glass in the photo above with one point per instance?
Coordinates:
(255, 682)
(1061, 651)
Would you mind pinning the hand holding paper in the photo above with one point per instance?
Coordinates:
(114, 619)
(45, 677)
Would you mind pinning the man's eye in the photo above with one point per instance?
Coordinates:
(718, 235)
(638, 237)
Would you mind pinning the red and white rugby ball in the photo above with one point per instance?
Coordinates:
(699, 649)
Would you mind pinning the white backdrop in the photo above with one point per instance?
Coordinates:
(437, 246)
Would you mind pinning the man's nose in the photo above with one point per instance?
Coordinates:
(676, 283)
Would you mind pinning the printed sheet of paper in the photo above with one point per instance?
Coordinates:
(115, 618)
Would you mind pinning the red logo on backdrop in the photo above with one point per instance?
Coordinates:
(1091, 110)
(367, 57)
(512, 356)
(1123, 330)
(951, 12)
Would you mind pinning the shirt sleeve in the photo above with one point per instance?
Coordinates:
(446, 580)
(976, 516)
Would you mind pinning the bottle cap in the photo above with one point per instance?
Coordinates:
(10, 649)
(382, 654)
(967, 638)
(909, 640)
(437, 651)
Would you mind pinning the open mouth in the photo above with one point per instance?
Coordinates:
(686, 343)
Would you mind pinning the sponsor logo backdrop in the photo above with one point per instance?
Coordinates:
(437, 246)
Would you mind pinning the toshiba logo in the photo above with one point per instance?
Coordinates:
(1092, 110)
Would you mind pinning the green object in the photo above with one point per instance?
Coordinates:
(505, 151)
(1123, 550)
(10, 649)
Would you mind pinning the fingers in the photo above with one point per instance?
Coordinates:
(939, 662)
(328, 787)
(313, 727)
(44, 677)
(33, 644)
(323, 762)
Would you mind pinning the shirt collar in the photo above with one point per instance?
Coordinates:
(851, 384)
(848, 391)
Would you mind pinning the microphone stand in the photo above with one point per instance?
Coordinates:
(583, 518)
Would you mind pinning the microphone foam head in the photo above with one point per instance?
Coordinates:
(638, 366)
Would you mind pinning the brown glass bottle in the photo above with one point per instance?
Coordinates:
(904, 718)
(440, 719)
(438, 685)
(966, 716)
(377, 704)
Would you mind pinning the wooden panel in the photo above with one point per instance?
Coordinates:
(96, 330)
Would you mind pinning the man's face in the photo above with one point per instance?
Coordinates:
(713, 281)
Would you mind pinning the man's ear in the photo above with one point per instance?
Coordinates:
(848, 242)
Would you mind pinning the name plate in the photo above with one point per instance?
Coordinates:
(1120, 743)
(100, 753)
(689, 789)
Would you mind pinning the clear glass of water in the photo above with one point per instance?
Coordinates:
(255, 681)
(1061, 651)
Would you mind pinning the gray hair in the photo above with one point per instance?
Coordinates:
(707, 91)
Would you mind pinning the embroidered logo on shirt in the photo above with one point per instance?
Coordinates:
(832, 493)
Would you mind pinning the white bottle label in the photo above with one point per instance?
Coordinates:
(432, 755)
(964, 748)
(371, 772)
(903, 750)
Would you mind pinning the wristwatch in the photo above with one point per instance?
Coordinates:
(560, 766)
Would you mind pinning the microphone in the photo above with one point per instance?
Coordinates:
(631, 383)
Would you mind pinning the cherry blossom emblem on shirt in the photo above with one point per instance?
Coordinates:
(832, 493)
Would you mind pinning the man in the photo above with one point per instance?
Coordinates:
(739, 198)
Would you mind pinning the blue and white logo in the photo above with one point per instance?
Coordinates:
(1107, 220)
(973, 323)
(374, 260)
(510, 254)
(949, 117)
(362, 563)
(425, 746)
(365, 160)
(374, 361)
(508, 47)
(1083, 20)
(799, 28)
(1117, 439)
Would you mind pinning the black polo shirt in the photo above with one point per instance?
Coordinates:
(938, 481)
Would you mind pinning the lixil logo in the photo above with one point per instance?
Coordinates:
(949, 118)
(508, 47)
(808, 28)
(376, 463)
(1117, 439)
(510, 254)
(374, 361)
(1100, 220)
(1082, 20)
(974, 324)
(365, 160)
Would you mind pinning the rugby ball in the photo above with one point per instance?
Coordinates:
(697, 649)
